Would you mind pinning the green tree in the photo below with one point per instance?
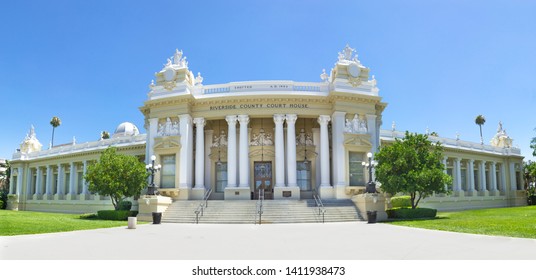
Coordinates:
(480, 120)
(54, 122)
(533, 145)
(116, 175)
(412, 166)
(5, 175)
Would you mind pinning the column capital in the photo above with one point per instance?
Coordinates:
(471, 161)
(186, 118)
(231, 120)
(199, 122)
(243, 119)
(291, 118)
(279, 118)
(324, 119)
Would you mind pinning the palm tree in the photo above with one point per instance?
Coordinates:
(480, 120)
(54, 122)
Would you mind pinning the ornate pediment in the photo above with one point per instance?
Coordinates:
(167, 142)
(357, 140)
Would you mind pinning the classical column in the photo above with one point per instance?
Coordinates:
(513, 181)
(231, 151)
(49, 182)
(457, 174)
(323, 120)
(38, 182)
(338, 155)
(72, 180)
(186, 152)
(502, 175)
(493, 176)
(61, 174)
(152, 132)
(200, 153)
(279, 151)
(470, 176)
(20, 174)
(291, 150)
(29, 192)
(244, 152)
(482, 171)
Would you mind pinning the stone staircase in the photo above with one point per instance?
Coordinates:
(274, 211)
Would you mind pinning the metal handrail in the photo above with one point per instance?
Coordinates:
(260, 206)
(320, 206)
(202, 205)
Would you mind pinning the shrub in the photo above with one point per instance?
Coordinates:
(401, 201)
(116, 215)
(89, 216)
(1, 204)
(409, 214)
(124, 205)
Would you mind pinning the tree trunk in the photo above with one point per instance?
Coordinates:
(52, 142)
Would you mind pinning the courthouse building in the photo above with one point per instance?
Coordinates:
(290, 139)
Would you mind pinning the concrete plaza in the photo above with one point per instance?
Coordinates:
(332, 241)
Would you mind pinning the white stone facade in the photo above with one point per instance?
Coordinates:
(290, 139)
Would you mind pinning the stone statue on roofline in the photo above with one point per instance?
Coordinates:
(501, 138)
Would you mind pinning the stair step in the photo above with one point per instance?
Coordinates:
(274, 211)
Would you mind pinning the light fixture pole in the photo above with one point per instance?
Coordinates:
(153, 169)
(371, 186)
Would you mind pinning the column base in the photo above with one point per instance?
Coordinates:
(37, 197)
(494, 193)
(237, 193)
(85, 196)
(470, 193)
(287, 193)
(326, 192)
(184, 193)
(458, 193)
(371, 202)
(72, 197)
(197, 193)
(48, 197)
(58, 196)
(147, 204)
(483, 193)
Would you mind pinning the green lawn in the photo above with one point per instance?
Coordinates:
(26, 222)
(514, 221)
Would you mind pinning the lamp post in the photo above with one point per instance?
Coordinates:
(153, 169)
(371, 186)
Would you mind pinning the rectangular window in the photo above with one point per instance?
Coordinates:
(67, 183)
(221, 176)
(80, 184)
(356, 169)
(464, 179)
(450, 173)
(303, 175)
(168, 172)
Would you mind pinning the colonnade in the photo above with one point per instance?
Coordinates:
(243, 143)
(50, 182)
(490, 179)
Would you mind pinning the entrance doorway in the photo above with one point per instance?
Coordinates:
(263, 179)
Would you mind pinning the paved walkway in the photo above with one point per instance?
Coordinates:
(332, 241)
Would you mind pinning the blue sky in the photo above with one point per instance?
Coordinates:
(438, 64)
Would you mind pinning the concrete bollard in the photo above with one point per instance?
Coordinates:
(132, 222)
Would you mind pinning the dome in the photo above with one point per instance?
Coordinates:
(126, 129)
